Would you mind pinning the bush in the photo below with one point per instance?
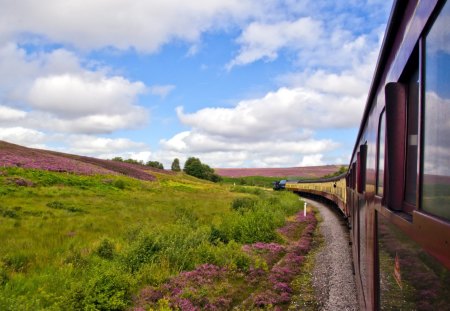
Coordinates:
(120, 184)
(106, 290)
(155, 164)
(9, 213)
(243, 204)
(141, 252)
(106, 249)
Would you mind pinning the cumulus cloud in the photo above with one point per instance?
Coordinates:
(141, 24)
(280, 112)
(80, 95)
(93, 145)
(262, 41)
(23, 136)
(11, 114)
(60, 94)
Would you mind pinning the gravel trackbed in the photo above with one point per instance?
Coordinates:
(333, 279)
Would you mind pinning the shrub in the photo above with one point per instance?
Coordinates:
(119, 183)
(76, 259)
(243, 204)
(155, 164)
(105, 290)
(56, 205)
(106, 249)
(9, 213)
(141, 252)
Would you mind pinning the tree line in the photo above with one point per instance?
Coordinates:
(193, 166)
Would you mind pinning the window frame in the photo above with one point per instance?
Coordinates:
(414, 63)
(377, 178)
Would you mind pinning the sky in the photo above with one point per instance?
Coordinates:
(236, 83)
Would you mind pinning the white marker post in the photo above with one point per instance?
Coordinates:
(304, 210)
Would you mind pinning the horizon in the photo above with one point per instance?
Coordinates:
(238, 84)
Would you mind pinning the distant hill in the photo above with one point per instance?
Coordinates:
(307, 172)
(15, 155)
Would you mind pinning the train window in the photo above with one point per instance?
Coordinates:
(381, 151)
(411, 82)
(362, 163)
(436, 131)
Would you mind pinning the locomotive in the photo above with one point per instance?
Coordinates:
(396, 192)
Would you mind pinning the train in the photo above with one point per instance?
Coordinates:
(395, 194)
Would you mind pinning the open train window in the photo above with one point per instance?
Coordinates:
(402, 116)
(362, 163)
(435, 194)
(381, 151)
(410, 79)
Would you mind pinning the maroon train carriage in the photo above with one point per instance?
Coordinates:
(397, 196)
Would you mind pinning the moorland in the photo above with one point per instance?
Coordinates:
(79, 233)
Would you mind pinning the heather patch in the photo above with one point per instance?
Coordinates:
(265, 284)
(16, 156)
(49, 162)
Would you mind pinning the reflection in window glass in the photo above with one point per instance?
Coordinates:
(436, 165)
(381, 150)
(413, 128)
(410, 279)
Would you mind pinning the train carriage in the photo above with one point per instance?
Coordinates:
(396, 193)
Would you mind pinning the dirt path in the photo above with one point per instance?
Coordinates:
(333, 279)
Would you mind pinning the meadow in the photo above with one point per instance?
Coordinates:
(111, 242)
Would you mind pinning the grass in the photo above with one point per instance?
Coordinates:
(92, 242)
(259, 181)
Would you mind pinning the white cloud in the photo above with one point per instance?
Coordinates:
(312, 160)
(161, 90)
(11, 114)
(280, 112)
(262, 41)
(59, 94)
(23, 136)
(141, 24)
(80, 95)
(221, 151)
(92, 145)
(91, 124)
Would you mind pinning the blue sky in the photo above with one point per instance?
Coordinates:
(237, 83)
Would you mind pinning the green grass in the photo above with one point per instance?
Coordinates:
(259, 181)
(89, 242)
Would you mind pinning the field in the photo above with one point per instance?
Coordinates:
(101, 240)
(279, 173)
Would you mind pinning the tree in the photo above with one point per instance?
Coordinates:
(155, 164)
(133, 161)
(194, 167)
(176, 165)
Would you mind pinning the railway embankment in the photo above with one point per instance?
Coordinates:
(333, 279)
